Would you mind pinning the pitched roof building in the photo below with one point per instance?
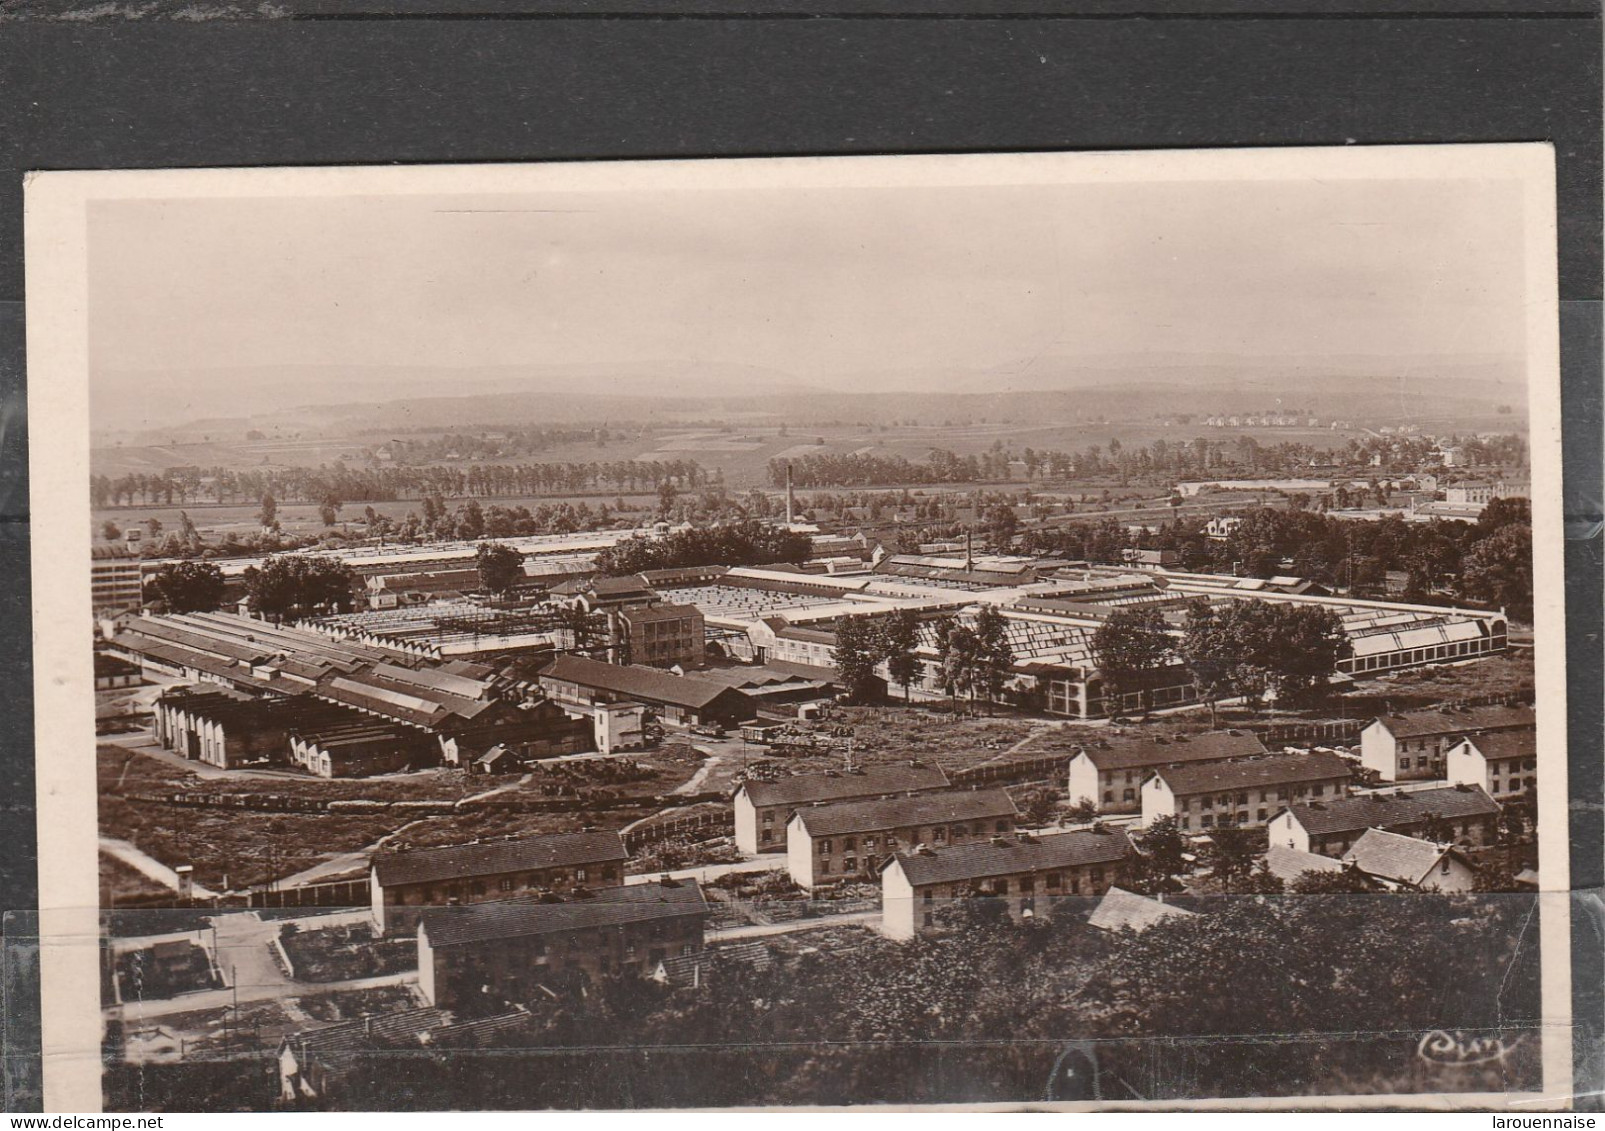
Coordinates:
(404, 884)
(1120, 909)
(1412, 745)
(1503, 763)
(1331, 827)
(1205, 796)
(681, 699)
(1111, 775)
(850, 840)
(1407, 862)
(497, 952)
(763, 808)
(1028, 872)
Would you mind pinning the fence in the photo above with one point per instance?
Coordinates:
(1042, 767)
(1345, 731)
(336, 893)
(279, 803)
(704, 823)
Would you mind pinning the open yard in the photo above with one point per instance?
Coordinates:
(165, 970)
(345, 952)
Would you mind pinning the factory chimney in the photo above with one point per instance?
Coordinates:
(969, 551)
(790, 497)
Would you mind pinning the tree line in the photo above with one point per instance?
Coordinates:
(179, 486)
(1488, 561)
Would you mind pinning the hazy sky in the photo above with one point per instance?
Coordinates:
(821, 284)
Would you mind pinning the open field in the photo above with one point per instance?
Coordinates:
(740, 451)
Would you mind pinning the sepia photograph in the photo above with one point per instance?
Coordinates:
(1069, 630)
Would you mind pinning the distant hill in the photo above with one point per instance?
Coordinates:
(333, 401)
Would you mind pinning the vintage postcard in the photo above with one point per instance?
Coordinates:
(1068, 629)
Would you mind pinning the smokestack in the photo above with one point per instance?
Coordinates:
(790, 498)
(969, 551)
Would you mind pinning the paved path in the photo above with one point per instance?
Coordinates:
(242, 945)
(222, 999)
(147, 866)
(706, 872)
(856, 919)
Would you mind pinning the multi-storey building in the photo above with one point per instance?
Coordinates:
(490, 953)
(1503, 763)
(116, 580)
(764, 808)
(1465, 812)
(850, 840)
(404, 884)
(1240, 794)
(1029, 873)
(1110, 775)
(1412, 745)
(663, 635)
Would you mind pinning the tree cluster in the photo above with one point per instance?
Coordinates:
(746, 543)
(294, 586)
(862, 642)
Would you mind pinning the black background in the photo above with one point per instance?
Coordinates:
(143, 85)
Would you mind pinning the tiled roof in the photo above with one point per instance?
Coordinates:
(1389, 856)
(903, 812)
(1506, 744)
(1275, 770)
(808, 789)
(520, 918)
(1120, 908)
(637, 682)
(1213, 746)
(1389, 810)
(526, 854)
(1458, 720)
(1014, 856)
(1289, 864)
